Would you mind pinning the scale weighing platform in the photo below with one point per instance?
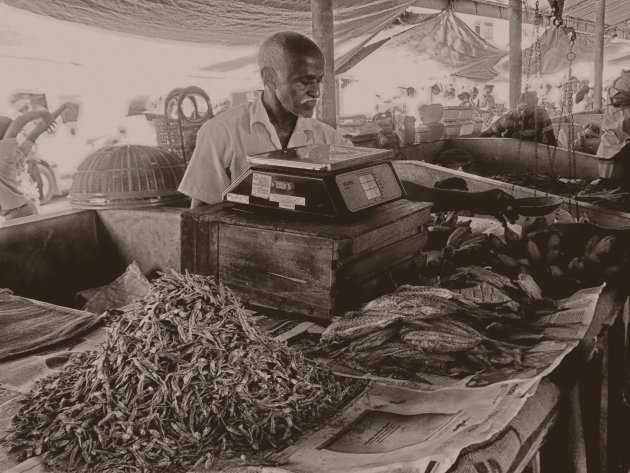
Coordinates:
(323, 180)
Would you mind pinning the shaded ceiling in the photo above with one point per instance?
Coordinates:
(239, 25)
(617, 11)
(221, 22)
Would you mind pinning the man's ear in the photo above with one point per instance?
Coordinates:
(269, 77)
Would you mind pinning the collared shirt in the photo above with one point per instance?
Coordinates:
(224, 142)
(12, 164)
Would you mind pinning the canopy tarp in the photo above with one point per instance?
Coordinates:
(443, 42)
(232, 23)
(554, 48)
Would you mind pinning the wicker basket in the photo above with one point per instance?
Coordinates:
(122, 176)
(179, 135)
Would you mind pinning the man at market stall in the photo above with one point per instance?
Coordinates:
(292, 69)
(616, 121)
(528, 121)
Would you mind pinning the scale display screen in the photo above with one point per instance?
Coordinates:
(367, 187)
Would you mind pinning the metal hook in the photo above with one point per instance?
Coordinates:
(570, 32)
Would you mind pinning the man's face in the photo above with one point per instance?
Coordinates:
(525, 107)
(298, 85)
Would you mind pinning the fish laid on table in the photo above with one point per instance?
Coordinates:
(353, 327)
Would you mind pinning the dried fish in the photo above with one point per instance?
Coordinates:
(347, 329)
(180, 379)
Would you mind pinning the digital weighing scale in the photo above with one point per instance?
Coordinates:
(324, 180)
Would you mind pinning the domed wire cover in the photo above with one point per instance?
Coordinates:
(127, 176)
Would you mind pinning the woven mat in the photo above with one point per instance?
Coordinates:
(28, 326)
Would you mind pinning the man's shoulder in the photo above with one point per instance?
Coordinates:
(324, 128)
(238, 115)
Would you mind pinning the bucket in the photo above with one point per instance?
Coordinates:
(609, 168)
(467, 129)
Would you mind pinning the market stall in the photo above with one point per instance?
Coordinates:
(310, 267)
(316, 320)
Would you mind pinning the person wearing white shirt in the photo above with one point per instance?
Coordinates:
(292, 68)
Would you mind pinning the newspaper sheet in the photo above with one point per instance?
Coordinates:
(422, 427)
(562, 332)
(410, 426)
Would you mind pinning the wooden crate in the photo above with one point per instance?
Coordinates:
(298, 265)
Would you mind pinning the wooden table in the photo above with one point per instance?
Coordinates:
(550, 416)
(578, 408)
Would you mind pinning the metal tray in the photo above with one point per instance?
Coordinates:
(537, 206)
(320, 157)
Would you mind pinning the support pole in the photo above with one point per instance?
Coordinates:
(600, 26)
(323, 35)
(516, 54)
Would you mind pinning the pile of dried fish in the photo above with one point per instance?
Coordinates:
(421, 329)
(181, 380)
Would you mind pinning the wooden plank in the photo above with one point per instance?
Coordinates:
(600, 27)
(577, 448)
(515, 18)
(323, 34)
(32, 465)
(427, 174)
(188, 246)
(603, 407)
(318, 227)
(199, 247)
(276, 269)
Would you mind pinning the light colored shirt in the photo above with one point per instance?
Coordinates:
(224, 142)
(616, 120)
(12, 164)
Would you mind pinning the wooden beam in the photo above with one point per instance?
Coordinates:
(323, 35)
(599, 53)
(515, 53)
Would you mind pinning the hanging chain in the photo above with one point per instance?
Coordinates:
(569, 96)
(534, 53)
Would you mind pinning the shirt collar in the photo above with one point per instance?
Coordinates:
(259, 115)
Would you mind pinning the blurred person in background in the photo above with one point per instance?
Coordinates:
(616, 121)
(528, 121)
(474, 97)
(487, 99)
(583, 101)
(14, 155)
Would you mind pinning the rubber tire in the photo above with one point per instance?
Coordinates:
(48, 180)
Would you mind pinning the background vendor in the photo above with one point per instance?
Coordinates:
(292, 69)
(528, 121)
(616, 121)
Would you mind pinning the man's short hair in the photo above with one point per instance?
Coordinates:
(530, 97)
(275, 49)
